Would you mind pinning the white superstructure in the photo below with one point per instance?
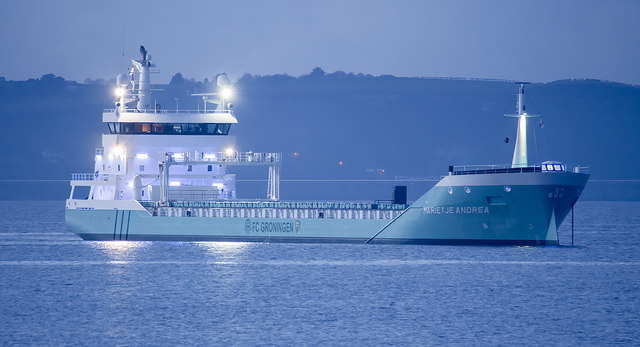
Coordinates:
(158, 155)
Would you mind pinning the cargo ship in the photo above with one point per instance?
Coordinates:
(162, 175)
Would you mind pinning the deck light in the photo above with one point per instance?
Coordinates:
(142, 156)
(119, 151)
(226, 93)
(119, 92)
(229, 151)
(174, 184)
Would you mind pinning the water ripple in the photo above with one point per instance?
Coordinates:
(390, 262)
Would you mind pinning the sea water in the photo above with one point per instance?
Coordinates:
(56, 289)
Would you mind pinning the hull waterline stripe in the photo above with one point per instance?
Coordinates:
(121, 225)
(128, 221)
(115, 226)
(278, 239)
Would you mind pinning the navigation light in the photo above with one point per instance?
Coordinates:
(226, 93)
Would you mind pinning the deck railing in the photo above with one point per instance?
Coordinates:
(235, 157)
(113, 110)
(492, 169)
(508, 168)
(89, 177)
(281, 205)
(83, 177)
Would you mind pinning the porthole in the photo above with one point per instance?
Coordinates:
(467, 190)
(507, 189)
(450, 190)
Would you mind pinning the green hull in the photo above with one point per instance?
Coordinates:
(512, 209)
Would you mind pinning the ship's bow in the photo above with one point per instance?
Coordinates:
(505, 208)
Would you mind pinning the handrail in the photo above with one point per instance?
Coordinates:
(281, 205)
(477, 171)
(113, 110)
(89, 177)
(83, 177)
(507, 168)
(235, 157)
(487, 167)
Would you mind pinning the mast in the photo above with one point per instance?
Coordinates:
(520, 151)
(144, 84)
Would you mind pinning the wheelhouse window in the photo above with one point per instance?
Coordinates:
(170, 128)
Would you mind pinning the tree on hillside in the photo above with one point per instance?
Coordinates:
(177, 79)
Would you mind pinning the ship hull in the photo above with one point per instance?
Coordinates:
(484, 209)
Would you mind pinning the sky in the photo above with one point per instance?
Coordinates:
(536, 41)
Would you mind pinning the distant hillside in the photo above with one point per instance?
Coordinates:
(379, 127)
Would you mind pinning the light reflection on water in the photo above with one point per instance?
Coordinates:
(226, 251)
(120, 251)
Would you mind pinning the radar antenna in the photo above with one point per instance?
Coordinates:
(143, 52)
(223, 94)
